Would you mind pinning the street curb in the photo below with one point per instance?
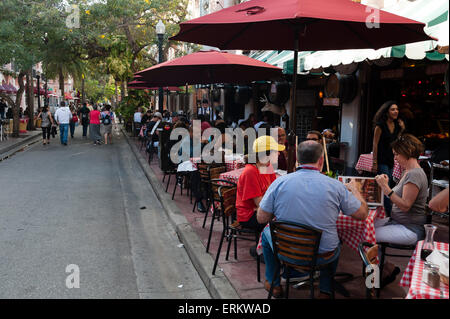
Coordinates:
(8, 151)
(218, 285)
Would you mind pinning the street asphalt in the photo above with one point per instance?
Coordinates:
(90, 206)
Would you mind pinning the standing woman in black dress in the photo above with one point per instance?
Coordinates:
(388, 127)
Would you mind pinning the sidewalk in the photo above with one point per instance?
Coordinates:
(241, 273)
(14, 144)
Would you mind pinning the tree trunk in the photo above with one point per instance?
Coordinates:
(117, 94)
(122, 90)
(83, 98)
(16, 105)
(61, 82)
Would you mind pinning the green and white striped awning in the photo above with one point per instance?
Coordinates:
(434, 13)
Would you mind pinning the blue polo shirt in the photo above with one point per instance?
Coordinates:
(313, 199)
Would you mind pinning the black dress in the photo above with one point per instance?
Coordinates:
(385, 155)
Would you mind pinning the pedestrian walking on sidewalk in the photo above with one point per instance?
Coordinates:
(63, 117)
(107, 123)
(73, 122)
(83, 114)
(94, 125)
(3, 107)
(46, 124)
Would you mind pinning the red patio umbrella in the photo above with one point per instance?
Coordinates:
(11, 89)
(318, 24)
(207, 67)
(305, 25)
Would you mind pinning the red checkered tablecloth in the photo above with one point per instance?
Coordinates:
(412, 277)
(352, 231)
(232, 175)
(231, 165)
(365, 163)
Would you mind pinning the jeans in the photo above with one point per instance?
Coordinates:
(384, 169)
(64, 132)
(2, 115)
(85, 129)
(72, 129)
(326, 274)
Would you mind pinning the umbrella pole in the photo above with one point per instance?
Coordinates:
(326, 153)
(292, 133)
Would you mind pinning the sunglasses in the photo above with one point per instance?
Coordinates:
(312, 139)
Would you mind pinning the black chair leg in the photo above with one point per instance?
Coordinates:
(175, 187)
(195, 204)
(232, 234)
(235, 247)
(168, 182)
(311, 283)
(206, 216)
(383, 252)
(218, 252)
(277, 273)
(288, 274)
(211, 228)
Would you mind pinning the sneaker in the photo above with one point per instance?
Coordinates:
(300, 277)
(201, 208)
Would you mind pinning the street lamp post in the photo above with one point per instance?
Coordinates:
(160, 31)
(38, 77)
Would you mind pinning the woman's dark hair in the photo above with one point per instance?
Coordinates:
(408, 146)
(221, 127)
(382, 114)
(108, 107)
(44, 109)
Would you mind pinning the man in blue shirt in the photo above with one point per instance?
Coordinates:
(313, 199)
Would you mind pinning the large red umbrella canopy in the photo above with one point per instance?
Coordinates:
(207, 67)
(319, 25)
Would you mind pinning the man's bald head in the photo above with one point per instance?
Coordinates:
(309, 152)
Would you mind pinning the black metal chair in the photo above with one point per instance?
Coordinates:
(299, 243)
(216, 200)
(369, 255)
(227, 196)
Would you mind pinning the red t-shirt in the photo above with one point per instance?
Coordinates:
(251, 184)
(94, 117)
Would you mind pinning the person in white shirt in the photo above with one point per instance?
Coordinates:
(137, 118)
(62, 117)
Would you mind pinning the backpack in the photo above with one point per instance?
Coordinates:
(74, 118)
(107, 119)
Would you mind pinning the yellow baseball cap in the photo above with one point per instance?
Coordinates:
(266, 143)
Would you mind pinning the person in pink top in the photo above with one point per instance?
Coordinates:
(94, 125)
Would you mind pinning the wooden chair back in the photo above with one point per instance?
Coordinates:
(297, 242)
(227, 196)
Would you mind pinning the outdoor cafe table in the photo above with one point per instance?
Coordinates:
(230, 164)
(350, 231)
(365, 163)
(413, 274)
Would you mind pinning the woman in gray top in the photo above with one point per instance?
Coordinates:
(46, 124)
(409, 197)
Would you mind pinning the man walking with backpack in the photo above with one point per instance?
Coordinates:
(107, 122)
(83, 114)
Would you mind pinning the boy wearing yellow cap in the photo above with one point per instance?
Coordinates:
(254, 181)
